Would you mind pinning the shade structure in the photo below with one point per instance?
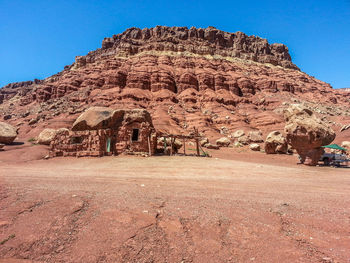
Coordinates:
(334, 146)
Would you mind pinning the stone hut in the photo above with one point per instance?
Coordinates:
(103, 131)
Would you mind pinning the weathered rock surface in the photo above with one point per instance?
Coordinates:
(255, 136)
(238, 133)
(244, 140)
(306, 133)
(97, 117)
(223, 142)
(185, 78)
(47, 135)
(275, 143)
(254, 147)
(8, 133)
(345, 127)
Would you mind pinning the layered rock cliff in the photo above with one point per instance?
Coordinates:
(214, 80)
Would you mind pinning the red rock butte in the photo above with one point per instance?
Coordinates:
(205, 78)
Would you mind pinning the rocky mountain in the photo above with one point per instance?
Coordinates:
(205, 78)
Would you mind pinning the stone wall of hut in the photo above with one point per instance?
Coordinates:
(94, 142)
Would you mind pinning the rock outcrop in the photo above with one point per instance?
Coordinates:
(48, 135)
(255, 136)
(8, 133)
(238, 133)
(306, 133)
(345, 127)
(275, 143)
(216, 81)
(207, 41)
(223, 142)
(96, 118)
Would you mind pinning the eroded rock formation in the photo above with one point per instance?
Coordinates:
(275, 143)
(306, 133)
(8, 133)
(184, 78)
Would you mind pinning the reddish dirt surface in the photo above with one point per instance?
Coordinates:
(238, 206)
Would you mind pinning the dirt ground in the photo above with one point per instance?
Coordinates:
(237, 206)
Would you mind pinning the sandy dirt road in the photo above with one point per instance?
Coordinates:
(172, 209)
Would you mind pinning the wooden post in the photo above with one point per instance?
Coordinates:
(164, 144)
(171, 146)
(184, 145)
(149, 145)
(197, 146)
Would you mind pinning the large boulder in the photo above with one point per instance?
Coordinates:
(255, 136)
(8, 133)
(244, 140)
(223, 142)
(306, 133)
(48, 135)
(275, 143)
(238, 133)
(96, 118)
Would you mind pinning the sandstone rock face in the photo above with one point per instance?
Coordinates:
(254, 147)
(275, 143)
(93, 118)
(47, 135)
(238, 133)
(306, 133)
(244, 140)
(185, 78)
(198, 41)
(223, 142)
(345, 127)
(255, 136)
(98, 117)
(8, 133)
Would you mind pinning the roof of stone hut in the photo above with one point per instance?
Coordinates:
(96, 118)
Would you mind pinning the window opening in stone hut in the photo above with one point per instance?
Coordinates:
(135, 135)
(76, 140)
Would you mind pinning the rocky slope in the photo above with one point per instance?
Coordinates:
(205, 78)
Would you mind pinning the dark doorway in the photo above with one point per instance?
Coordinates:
(135, 135)
(76, 140)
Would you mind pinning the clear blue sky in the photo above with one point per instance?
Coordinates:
(39, 37)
